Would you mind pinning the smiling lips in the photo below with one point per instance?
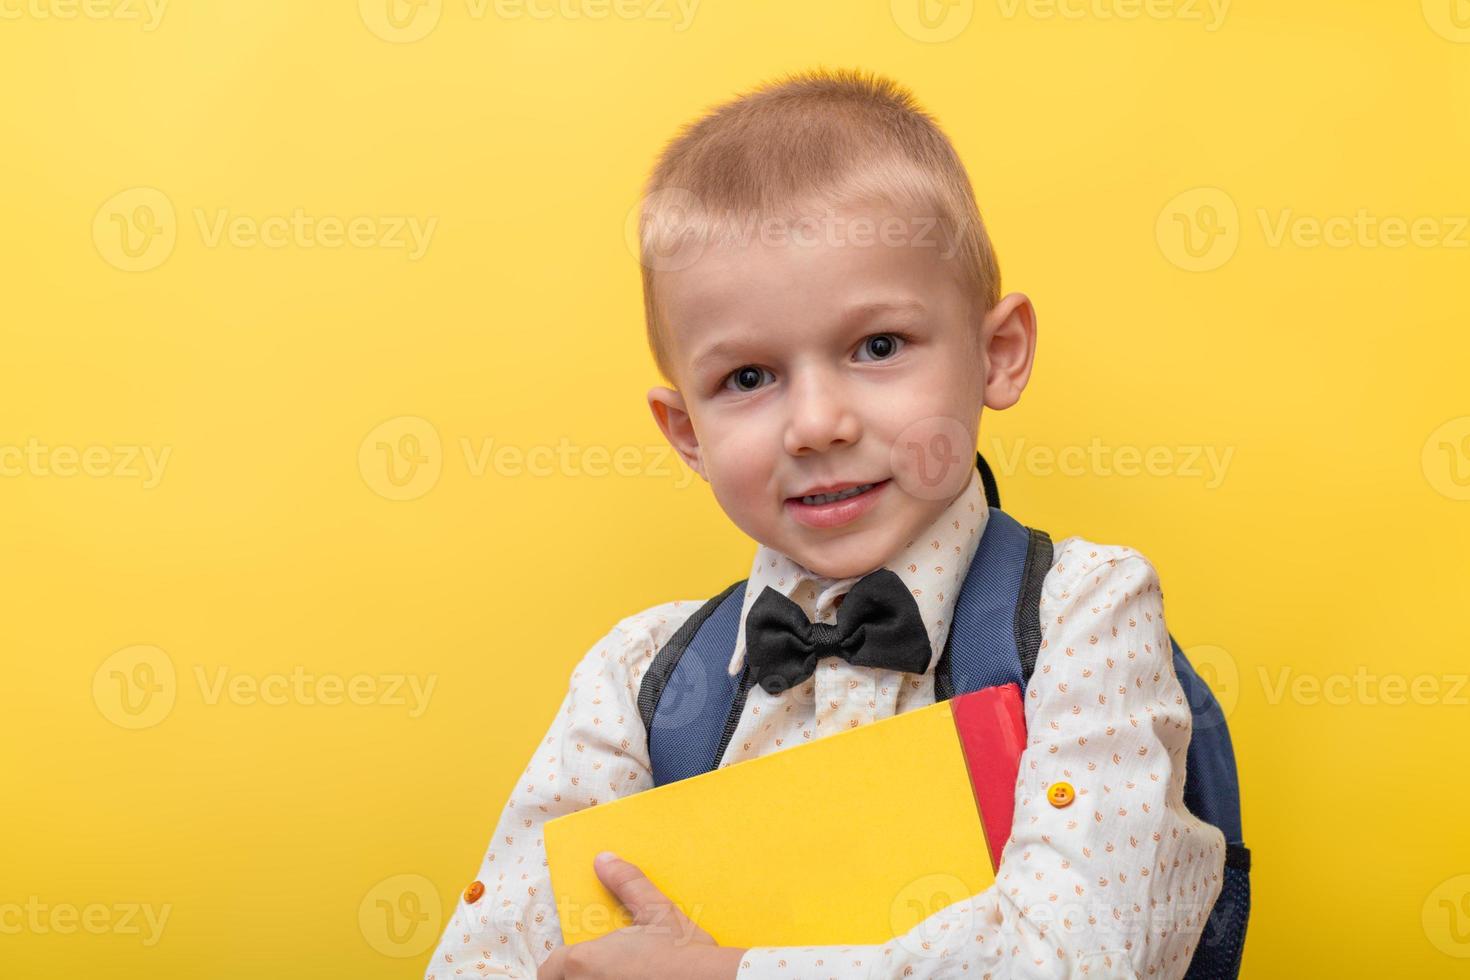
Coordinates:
(835, 506)
(829, 497)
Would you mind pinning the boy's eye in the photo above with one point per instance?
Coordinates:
(747, 378)
(882, 345)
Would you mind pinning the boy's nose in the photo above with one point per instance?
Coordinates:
(820, 416)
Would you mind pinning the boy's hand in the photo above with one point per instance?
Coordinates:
(662, 942)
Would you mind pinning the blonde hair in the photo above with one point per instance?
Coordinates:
(832, 139)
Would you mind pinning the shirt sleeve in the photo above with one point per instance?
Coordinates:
(1116, 883)
(595, 750)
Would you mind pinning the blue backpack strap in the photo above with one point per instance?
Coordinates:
(687, 699)
(996, 628)
(1212, 793)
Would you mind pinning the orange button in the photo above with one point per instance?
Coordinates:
(1060, 794)
(472, 894)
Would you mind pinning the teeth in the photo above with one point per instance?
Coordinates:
(827, 498)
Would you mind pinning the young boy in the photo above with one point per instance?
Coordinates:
(820, 289)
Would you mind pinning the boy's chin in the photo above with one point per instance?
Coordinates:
(849, 557)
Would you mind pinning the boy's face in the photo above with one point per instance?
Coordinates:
(832, 360)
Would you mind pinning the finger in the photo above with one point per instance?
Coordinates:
(640, 896)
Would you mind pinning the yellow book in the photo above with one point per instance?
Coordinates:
(854, 837)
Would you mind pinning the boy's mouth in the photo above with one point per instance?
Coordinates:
(827, 498)
(836, 505)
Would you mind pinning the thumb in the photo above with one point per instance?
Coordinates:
(640, 896)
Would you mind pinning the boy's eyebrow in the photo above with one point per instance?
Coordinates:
(854, 313)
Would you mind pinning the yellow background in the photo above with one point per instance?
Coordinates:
(1334, 546)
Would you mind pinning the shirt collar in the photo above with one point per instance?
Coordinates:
(932, 565)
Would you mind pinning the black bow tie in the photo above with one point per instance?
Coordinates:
(878, 625)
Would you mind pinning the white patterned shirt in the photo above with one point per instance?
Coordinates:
(1116, 884)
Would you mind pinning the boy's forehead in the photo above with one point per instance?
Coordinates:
(757, 285)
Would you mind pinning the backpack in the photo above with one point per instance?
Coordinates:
(690, 705)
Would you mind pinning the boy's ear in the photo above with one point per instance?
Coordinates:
(674, 422)
(1008, 341)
